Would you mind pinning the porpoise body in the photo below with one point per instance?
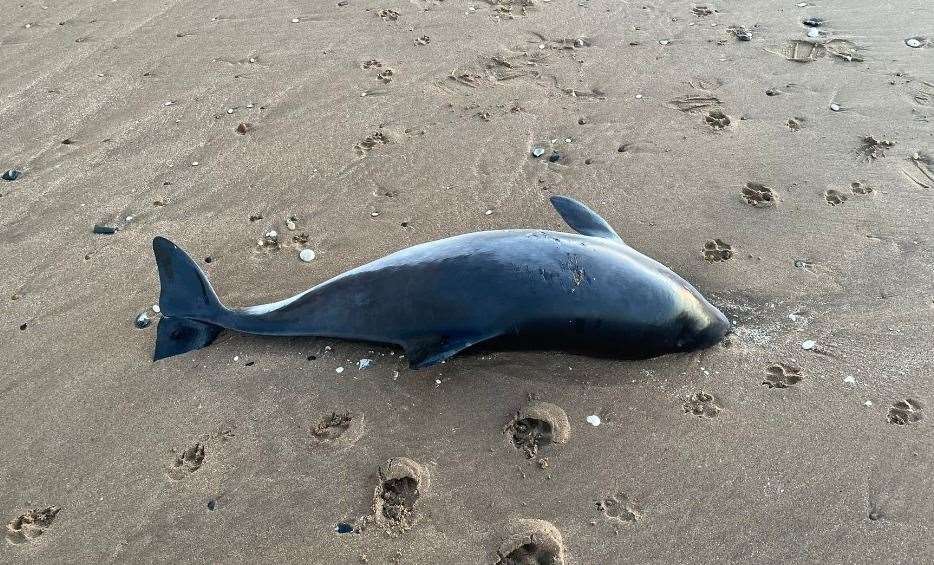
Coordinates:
(587, 292)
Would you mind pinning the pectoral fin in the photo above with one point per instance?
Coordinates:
(582, 219)
(430, 350)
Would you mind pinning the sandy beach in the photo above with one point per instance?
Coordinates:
(777, 155)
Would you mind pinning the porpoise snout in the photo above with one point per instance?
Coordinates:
(718, 327)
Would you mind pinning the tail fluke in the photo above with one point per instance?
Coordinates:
(187, 301)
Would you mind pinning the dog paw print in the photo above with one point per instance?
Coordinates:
(758, 195)
(385, 75)
(422, 40)
(338, 429)
(702, 405)
(370, 64)
(388, 15)
(332, 427)
(780, 375)
(186, 462)
(834, 197)
(717, 250)
(717, 119)
(871, 148)
(861, 187)
(369, 142)
(618, 508)
(795, 124)
(27, 527)
(905, 412)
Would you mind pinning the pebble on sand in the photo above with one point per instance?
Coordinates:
(813, 22)
(834, 107)
(554, 157)
(850, 380)
(339, 370)
(195, 163)
(244, 127)
(914, 42)
(537, 152)
(307, 255)
(364, 363)
(593, 420)
(104, 229)
(10, 175)
(143, 320)
(295, 20)
(808, 344)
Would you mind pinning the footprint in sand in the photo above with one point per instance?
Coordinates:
(702, 405)
(339, 429)
(780, 375)
(871, 148)
(905, 412)
(717, 250)
(861, 187)
(834, 197)
(530, 542)
(401, 483)
(716, 119)
(537, 425)
(617, 508)
(369, 142)
(795, 124)
(758, 195)
(385, 75)
(186, 462)
(27, 527)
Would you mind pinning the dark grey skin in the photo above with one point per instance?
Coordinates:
(587, 292)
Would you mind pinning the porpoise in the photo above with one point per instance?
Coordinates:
(587, 292)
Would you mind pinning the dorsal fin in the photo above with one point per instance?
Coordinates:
(582, 219)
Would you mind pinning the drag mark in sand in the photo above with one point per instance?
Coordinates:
(923, 163)
(693, 103)
(802, 51)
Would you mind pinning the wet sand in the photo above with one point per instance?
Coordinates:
(788, 177)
